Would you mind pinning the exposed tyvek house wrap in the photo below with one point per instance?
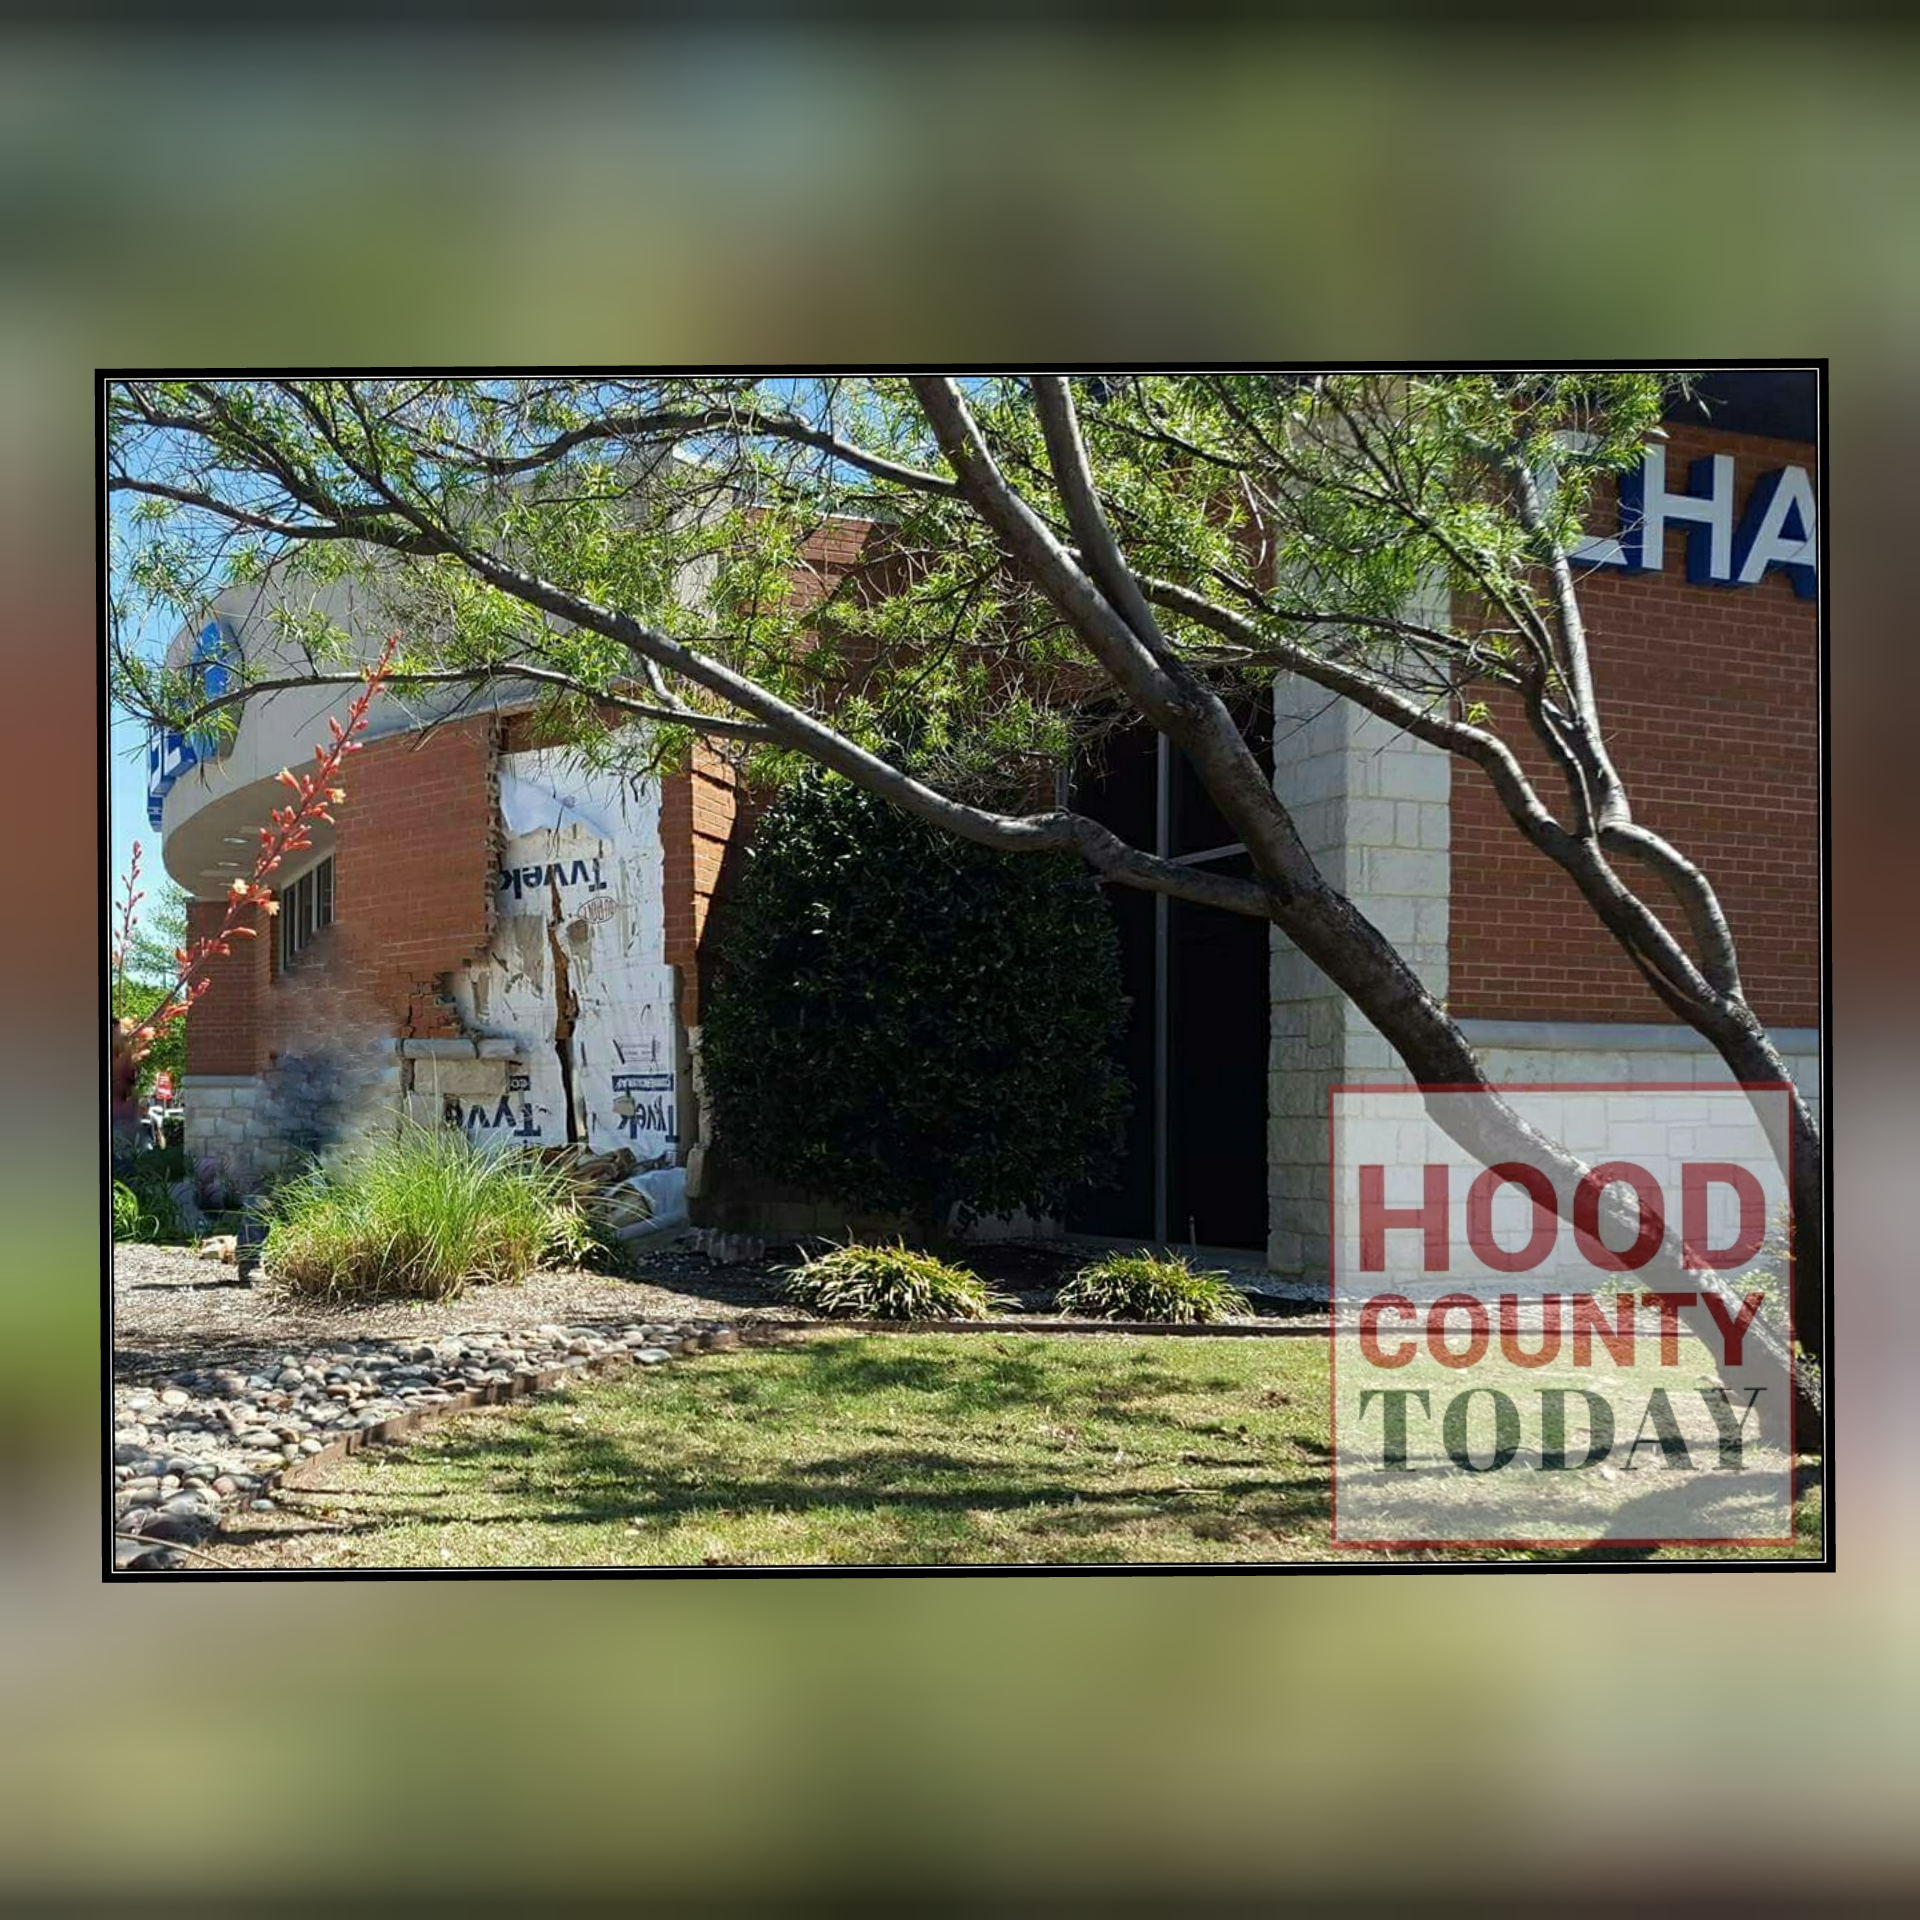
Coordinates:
(576, 973)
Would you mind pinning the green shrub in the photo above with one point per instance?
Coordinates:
(420, 1214)
(890, 1283)
(143, 1209)
(1136, 1286)
(127, 1217)
(911, 1024)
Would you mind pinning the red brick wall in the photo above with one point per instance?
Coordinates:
(705, 808)
(226, 1031)
(1709, 699)
(700, 809)
(415, 864)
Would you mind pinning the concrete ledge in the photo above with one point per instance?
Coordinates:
(462, 1079)
(439, 1050)
(1598, 1036)
(201, 1081)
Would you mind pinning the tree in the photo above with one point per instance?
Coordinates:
(143, 984)
(154, 1014)
(911, 1023)
(633, 547)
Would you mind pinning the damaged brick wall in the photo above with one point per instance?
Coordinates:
(414, 856)
(573, 1002)
(414, 861)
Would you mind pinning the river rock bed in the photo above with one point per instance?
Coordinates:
(220, 1437)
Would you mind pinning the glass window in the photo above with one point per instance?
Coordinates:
(306, 905)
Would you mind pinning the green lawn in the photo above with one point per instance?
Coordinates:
(861, 1450)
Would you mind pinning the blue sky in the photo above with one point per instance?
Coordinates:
(127, 798)
(127, 785)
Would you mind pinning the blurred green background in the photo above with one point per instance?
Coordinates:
(209, 200)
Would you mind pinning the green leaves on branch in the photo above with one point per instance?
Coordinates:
(1308, 510)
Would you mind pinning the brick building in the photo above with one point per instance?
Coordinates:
(496, 936)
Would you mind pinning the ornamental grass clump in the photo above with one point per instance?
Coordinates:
(889, 1283)
(143, 1208)
(1136, 1286)
(419, 1214)
(129, 1223)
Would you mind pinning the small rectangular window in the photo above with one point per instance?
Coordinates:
(306, 905)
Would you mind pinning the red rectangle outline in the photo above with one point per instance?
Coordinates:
(1333, 1343)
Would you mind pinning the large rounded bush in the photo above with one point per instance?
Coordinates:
(909, 1023)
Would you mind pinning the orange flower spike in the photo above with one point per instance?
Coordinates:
(286, 779)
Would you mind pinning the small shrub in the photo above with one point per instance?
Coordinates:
(420, 1214)
(1136, 1286)
(127, 1217)
(889, 1283)
(143, 1209)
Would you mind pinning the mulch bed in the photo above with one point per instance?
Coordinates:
(173, 1309)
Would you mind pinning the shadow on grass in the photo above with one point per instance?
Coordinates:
(952, 1489)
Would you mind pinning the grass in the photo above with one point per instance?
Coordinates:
(1136, 1286)
(418, 1214)
(847, 1449)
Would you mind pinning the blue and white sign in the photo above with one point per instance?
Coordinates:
(1778, 528)
(215, 657)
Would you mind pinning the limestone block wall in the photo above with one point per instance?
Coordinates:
(1564, 1052)
(1372, 806)
(219, 1126)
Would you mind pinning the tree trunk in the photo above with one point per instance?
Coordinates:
(1338, 938)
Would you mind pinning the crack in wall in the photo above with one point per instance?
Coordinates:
(566, 1008)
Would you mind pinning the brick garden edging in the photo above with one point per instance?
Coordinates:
(523, 1386)
(1302, 1329)
(212, 1439)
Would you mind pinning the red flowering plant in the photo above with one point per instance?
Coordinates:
(314, 795)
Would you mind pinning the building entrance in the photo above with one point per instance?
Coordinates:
(1195, 1166)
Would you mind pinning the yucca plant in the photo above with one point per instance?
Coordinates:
(1137, 1286)
(858, 1282)
(418, 1214)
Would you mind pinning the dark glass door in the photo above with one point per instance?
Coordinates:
(1195, 1050)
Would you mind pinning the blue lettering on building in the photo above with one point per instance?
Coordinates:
(559, 873)
(1779, 529)
(214, 661)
